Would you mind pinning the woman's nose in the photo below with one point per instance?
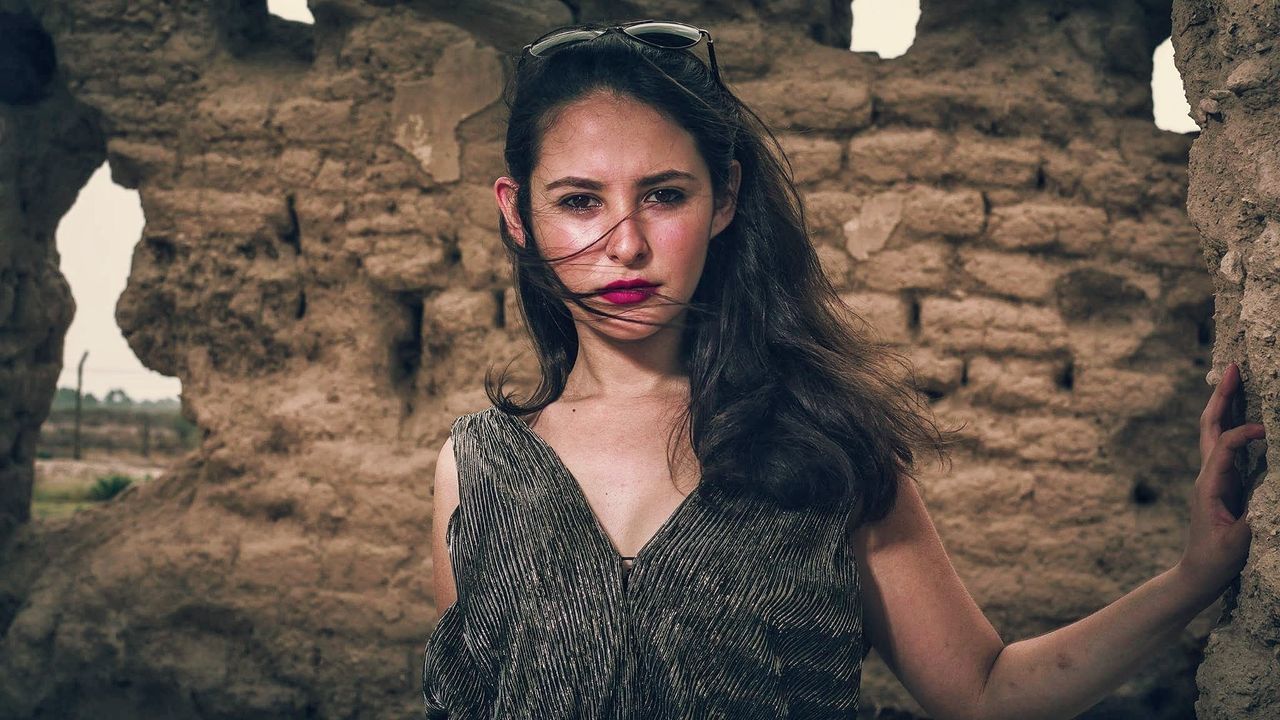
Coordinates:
(626, 241)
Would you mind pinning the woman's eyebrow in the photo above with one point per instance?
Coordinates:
(654, 179)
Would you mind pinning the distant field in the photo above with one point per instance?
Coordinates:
(63, 487)
(112, 457)
(114, 431)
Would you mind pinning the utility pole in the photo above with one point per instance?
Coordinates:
(79, 384)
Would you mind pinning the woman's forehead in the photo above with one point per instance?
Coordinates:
(614, 141)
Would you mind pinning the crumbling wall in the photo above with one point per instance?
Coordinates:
(320, 267)
(1230, 66)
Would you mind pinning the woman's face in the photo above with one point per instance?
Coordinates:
(619, 192)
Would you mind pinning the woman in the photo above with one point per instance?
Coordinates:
(706, 502)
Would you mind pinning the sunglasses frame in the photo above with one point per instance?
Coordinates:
(625, 28)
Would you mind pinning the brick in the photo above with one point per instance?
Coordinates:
(1099, 175)
(981, 160)
(1112, 342)
(1167, 239)
(452, 312)
(869, 231)
(297, 166)
(1012, 383)
(812, 158)
(1036, 438)
(958, 213)
(483, 256)
(1019, 275)
(228, 112)
(925, 265)
(886, 313)
(892, 154)
(1123, 393)
(132, 162)
(406, 262)
(826, 212)
(1066, 227)
(303, 119)
(936, 371)
(991, 325)
(822, 104)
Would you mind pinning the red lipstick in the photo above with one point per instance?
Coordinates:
(625, 292)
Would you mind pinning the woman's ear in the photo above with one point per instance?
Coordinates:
(726, 205)
(504, 189)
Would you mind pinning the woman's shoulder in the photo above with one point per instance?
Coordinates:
(481, 414)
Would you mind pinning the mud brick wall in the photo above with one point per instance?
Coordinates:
(1226, 54)
(320, 267)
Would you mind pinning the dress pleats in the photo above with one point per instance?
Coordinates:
(734, 609)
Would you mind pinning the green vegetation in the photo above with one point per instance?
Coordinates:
(108, 487)
(56, 499)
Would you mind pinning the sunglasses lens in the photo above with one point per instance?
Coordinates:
(675, 36)
(559, 40)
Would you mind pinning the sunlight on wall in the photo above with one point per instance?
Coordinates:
(1169, 99)
(291, 10)
(95, 241)
(885, 27)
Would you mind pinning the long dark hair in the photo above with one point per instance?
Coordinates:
(788, 396)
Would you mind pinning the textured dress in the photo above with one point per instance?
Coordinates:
(735, 608)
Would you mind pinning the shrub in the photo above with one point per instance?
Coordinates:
(108, 487)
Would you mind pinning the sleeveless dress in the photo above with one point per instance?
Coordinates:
(735, 608)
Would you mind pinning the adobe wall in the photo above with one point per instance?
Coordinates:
(1226, 54)
(320, 267)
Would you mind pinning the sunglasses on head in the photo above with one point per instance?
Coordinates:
(665, 34)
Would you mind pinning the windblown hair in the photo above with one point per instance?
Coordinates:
(789, 397)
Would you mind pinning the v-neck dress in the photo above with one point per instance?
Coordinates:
(734, 608)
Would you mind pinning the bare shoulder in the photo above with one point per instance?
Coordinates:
(444, 502)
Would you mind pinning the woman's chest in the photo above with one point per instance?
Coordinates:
(631, 476)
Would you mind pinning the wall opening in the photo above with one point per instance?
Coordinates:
(1168, 97)
(295, 10)
(130, 428)
(885, 27)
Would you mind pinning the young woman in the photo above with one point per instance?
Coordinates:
(706, 509)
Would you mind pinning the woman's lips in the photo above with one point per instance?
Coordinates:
(626, 296)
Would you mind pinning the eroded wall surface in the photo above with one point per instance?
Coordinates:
(1226, 52)
(320, 266)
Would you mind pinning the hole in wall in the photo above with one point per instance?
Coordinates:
(1168, 98)
(500, 319)
(1067, 376)
(295, 10)
(913, 313)
(130, 423)
(406, 349)
(253, 28)
(885, 27)
(1144, 494)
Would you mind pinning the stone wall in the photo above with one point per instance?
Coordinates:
(1226, 54)
(320, 267)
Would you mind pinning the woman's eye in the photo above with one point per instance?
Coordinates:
(667, 196)
(577, 202)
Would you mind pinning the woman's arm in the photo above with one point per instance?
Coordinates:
(1063, 673)
(444, 500)
(932, 635)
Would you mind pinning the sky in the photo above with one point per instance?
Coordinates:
(97, 236)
